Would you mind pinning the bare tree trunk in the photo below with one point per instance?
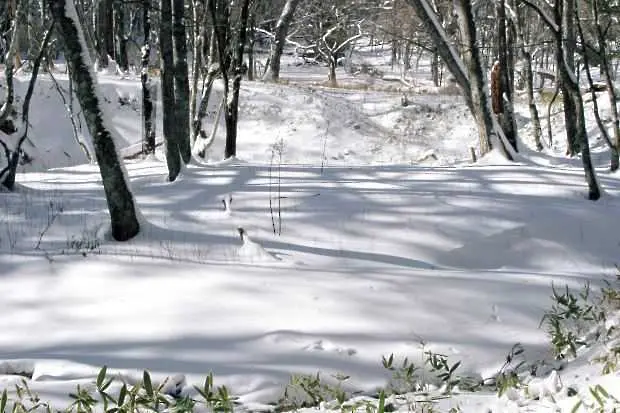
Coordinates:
(120, 200)
(105, 32)
(277, 46)
(615, 161)
(148, 129)
(529, 80)
(120, 51)
(611, 91)
(506, 116)
(198, 35)
(173, 156)
(7, 106)
(181, 81)
(213, 71)
(13, 161)
(568, 47)
(471, 56)
(232, 106)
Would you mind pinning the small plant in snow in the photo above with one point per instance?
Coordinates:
(405, 376)
(85, 243)
(508, 375)
(446, 373)
(599, 401)
(307, 390)
(570, 314)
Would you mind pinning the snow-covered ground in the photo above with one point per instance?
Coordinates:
(370, 234)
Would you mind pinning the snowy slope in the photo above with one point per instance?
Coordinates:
(364, 246)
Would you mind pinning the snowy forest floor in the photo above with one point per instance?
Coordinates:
(372, 234)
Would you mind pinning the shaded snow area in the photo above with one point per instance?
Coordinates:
(349, 228)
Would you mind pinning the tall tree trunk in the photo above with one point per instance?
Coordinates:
(611, 91)
(529, 79)
(148, 128)
(120, 51)
(232, 106)
(615, 161)
(173, 156)
(181, 81)
(105, 32)
(471, 56)
(199, 38)
(120, 200)
(220, 15)
(506, 116)
(13, 161)
(213, 70)
(277, 47)
(568, 47)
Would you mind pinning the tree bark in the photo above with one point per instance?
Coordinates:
(173, 156)
(471, 56)
(506, 116)
(611, 91)
(181, 82)
(277, 47)
(119, 198)
(232, 105)
(567, 11)
(148, 129)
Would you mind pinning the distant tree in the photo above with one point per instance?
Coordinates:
(118, 195)
(166, 48)
(277, 46)
(575, 121)
(466, 71)
(230, 38)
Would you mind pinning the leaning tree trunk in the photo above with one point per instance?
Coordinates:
(10, 171)
(120, 201)
(471, 56)
(576, 120)
(173, 156)
(614, 161)
(277, 46)
(181, 81)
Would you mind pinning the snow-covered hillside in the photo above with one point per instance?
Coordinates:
(370, 233)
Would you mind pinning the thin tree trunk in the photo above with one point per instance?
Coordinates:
(181, 81)
(173, 156)
(11, 169)
(232, 105)
(614, 161)
(120, 200)
(611, 91)
(213, 70)
(120, 51)
(471, 56)
(147, 103)
(568, 56)
(506, 116)
(277, 47)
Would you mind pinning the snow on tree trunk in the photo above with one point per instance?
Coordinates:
(471, 56)
(277, 47)
(173, 156)
(181, 81)
(148, 128)
(506, 116)
(232, 104)
(120, 201)
(568, 46)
